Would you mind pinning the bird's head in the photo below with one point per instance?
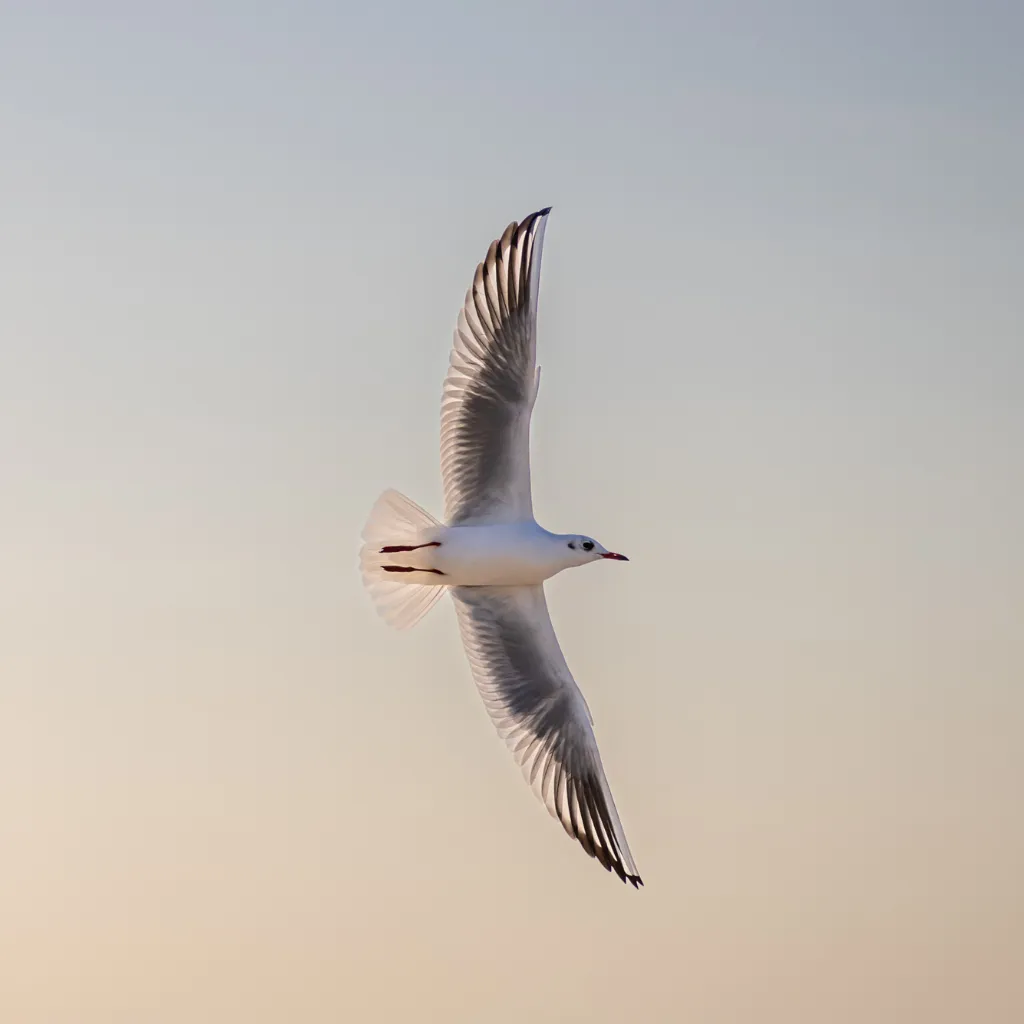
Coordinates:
(580, 550)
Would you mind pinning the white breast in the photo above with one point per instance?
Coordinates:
(506, 554)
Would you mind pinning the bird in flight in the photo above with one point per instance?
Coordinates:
(493, 557)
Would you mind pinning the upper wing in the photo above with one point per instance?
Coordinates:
(541, 714)
(492, 382)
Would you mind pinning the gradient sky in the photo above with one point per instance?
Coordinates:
(782, 331)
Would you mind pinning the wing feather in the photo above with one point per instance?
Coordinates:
(491, 383)
(539, 711)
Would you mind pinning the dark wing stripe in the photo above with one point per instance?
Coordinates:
(594, 821)
(579, 829)
(574, 826)
(599, 814)
(492, 289)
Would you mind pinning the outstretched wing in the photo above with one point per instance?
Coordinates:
(540, 713)
(492, 383)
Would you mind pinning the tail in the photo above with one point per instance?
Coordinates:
(397, 521)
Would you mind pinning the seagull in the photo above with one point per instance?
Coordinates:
(493, 557)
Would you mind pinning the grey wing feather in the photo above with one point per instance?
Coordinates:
(539, 711)
(491, 383)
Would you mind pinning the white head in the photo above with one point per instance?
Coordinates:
(579, 550)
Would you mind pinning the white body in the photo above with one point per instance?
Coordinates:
(502, 555)
(493, 558)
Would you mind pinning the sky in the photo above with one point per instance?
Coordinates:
(781, 330)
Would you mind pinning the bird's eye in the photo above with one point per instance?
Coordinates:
(588, 545)
(572, 544)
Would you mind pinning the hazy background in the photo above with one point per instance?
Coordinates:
(781, 331)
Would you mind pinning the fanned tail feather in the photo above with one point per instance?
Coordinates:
(397, 521)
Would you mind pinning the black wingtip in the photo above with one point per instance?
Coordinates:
(636, 880)
(544, 212)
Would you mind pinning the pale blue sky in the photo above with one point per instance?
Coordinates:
(782, 331)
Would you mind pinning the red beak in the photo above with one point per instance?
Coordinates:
(616, 557)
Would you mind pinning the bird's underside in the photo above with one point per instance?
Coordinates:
(510, 643)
